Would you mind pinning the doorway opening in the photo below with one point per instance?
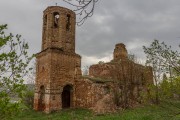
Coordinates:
(67, 96)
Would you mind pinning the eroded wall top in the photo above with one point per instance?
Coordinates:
(120, 52)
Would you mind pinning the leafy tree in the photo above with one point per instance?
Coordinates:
(14, 60)
(159, 52)
(28, 98)
(165, 88)
(176, 84)
(32, 74)
(163, 60)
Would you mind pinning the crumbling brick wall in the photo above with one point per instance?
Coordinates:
(130, 79)
(94, 95)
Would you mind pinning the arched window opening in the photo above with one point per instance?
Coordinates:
(68, 24)
(45, 20)
(42, 98)
(56, 19)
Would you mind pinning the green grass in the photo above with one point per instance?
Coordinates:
(165, 111)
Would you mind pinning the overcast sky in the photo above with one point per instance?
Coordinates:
(132, 22)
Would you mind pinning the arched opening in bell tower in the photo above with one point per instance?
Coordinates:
(45, 20)
(67, 96)
(68, 22)
(56, 19)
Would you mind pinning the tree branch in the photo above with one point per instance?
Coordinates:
(83, 8)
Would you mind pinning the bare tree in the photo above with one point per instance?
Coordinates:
(127, 84)
(82, 8)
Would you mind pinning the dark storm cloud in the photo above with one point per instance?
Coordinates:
(25, 17)
(132, 22)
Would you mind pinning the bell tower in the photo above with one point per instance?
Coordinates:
(59, 29)
(58, 66)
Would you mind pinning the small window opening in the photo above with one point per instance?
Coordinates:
(68, 23)
(45, 20)
(54, 98)
(106, 90)
(56, 19)
(43, 69)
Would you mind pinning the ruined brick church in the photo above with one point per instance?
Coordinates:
(59, 80)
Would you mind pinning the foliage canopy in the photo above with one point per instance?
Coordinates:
(14, 61)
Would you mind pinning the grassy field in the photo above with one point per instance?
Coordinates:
(165, 111)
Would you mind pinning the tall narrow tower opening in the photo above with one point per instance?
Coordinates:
(56, 19)
(68, 22)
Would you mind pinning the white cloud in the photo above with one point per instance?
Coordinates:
(89, 60)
